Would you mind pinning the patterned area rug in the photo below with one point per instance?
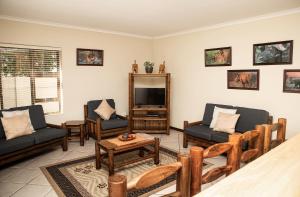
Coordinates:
(79, 178)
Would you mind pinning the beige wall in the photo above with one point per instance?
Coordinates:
(81, 84)
(193, 85)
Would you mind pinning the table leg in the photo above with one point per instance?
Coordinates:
(110, 162)
(81, 135)
(156, 151)
(86, 128)
(98, 155)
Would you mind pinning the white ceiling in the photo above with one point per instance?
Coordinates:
(141, 17)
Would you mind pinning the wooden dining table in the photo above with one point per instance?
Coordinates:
(274, 174)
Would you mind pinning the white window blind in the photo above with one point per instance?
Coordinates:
(30, 76)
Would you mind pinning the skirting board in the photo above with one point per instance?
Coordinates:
(176, 129)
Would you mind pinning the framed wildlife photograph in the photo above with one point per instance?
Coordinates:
(291, 81)
(89, 57)
(243, 79)
(218, 57)
(273, 53)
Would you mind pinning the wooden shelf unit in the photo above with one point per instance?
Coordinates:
(139, 121)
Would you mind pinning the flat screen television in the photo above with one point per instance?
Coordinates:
(149, 96)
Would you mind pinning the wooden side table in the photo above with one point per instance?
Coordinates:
(76, 124)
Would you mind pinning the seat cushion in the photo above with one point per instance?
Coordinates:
(249, 118)
(92, 105)
(200, 131)
(220, 137)
(209, 111)
(113, 124)
(9, 146)
(47, 134)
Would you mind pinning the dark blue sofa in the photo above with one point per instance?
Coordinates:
(200, 133)
(46, 135)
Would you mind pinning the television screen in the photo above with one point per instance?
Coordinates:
(149, 96)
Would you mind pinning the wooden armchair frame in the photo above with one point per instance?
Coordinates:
(94, 129)
(280, 127)
(255, 140)
(198, 154)
(118, 186)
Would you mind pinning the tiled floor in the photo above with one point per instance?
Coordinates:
(25, 179)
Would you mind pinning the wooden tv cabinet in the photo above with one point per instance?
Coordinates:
(149, 119)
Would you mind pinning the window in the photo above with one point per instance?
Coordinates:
(30, 76)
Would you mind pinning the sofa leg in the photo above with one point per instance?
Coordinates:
(65, 144)
(185, 141)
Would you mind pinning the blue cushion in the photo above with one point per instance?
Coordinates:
(9, 146)
(92, 105)
(249, 118)
(220, 137)
(113, 124)
(200, 131)
(47, 134)
(209, 111)
(36, 113)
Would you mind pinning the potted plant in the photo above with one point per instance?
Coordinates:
(148, 66)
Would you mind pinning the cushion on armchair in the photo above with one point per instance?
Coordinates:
(113, 124)
(92, 105)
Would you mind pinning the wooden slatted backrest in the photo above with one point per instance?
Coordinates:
(280, 128)
(255, 140)
(198, 154)
(118, 186)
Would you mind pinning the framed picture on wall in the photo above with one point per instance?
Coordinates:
(273, 53)
(218, 57)
(291, 80)
(89, 57)
(243, 79)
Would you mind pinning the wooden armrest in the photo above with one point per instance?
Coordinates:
(54, 126)
(90, 120)
(122, 117)
(189, 124)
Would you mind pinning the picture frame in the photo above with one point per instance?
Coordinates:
(291, 80)
(273, 53)
(89, 57)
(243, 79)
(218, 57)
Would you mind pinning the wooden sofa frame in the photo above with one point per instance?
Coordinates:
(94, 129)
(25, 152)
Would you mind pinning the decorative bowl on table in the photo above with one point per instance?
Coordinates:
(126, 137)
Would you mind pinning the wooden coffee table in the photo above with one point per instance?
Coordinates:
(114, 146)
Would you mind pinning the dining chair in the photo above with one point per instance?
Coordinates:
(198, 154)
(118, 187)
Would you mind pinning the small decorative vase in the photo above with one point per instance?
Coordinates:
(149, 69)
